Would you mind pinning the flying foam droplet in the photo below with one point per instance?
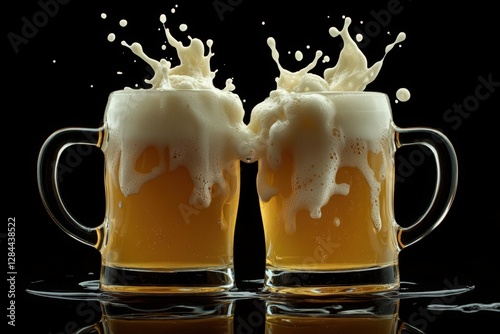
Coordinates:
(183, 27)
(401, 37)
(359, 37)
(403, 94)
(299, 56)
(123, 23)
(111, 37)
(104, 16)
(163, 18)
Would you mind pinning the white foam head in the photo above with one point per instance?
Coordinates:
(202, 129)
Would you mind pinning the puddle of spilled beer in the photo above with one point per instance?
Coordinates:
(73, 287)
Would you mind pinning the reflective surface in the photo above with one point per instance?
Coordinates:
(414, 308)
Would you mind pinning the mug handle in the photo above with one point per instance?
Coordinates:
(446, 183)
(48, 183)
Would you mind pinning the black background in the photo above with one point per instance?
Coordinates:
(58, 69)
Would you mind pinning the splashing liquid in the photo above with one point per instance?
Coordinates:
(316, 135)
(216, 135)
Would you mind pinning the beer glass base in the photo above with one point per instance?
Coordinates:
(324, 283)
(187, 281)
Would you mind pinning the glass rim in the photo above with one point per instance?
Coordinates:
(163, 91)
(172, 90)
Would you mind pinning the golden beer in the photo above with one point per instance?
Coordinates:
(156, 228)
(345, 237)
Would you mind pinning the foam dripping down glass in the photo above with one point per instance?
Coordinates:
(172, 179)
(326, 179)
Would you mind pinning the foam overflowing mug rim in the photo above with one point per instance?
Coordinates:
(372, 100)
(348, 93)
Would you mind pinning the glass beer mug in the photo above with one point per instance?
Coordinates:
(326, 181)
(172, 183)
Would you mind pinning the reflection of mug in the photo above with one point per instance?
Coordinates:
(376, 315)
(326, 183)
(172, 188)
(193, 315)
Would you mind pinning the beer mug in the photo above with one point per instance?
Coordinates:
(172, 183)
(326, 181)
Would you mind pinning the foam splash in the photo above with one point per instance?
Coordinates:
(302, 125)
(194, 70)
(201, 125)
(351, 73)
